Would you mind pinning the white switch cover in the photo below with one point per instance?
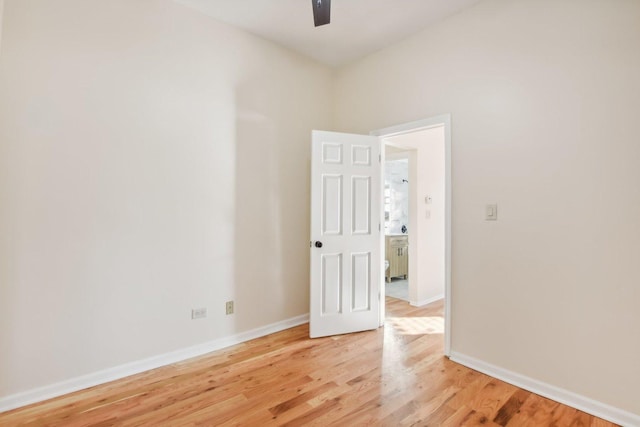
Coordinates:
(428, 214)
(491, 212)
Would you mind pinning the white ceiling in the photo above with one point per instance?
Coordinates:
(357, 28)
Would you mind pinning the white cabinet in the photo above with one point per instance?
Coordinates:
(397, 253)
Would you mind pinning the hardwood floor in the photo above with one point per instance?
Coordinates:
(395, 376)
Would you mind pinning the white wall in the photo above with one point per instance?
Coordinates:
(426, 234)
(545, 98)
(1, 13)
(152, 161)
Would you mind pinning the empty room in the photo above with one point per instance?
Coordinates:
(195, 220)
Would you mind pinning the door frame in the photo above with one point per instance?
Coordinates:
(418, 125)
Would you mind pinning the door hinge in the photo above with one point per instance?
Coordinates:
(379, 158)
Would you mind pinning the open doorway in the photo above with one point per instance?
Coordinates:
(425, 146)
(396, 221)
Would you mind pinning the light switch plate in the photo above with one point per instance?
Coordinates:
(491, 212)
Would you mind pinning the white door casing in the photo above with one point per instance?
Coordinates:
(441, 120)
(345, 233)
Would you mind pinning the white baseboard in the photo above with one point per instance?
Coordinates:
(100, 377)
(585, 404)
(427, 301)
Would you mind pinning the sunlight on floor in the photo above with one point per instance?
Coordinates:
(417, 325)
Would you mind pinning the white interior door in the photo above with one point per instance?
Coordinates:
(345, 233)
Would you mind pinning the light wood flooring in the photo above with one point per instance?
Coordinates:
(394, 376)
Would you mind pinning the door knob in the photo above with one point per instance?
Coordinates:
(318, 244)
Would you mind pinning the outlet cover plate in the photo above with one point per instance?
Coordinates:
(199, 313)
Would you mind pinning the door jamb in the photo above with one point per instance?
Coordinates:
(440, 120)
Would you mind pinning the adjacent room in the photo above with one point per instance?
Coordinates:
(156, 197)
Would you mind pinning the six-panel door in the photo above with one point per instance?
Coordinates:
(345, 220)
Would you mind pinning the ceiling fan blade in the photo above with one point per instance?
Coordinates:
(321, 12)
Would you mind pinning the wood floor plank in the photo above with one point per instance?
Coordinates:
(492, 397)
(301, 398)
(535, 411)
(393, 376)
(511, 407)
(462, 413)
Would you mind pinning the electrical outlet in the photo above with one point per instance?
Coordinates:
(198, 313)
(229, 307)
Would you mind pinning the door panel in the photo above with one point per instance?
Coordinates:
(331, 284)
(361, 267)
(332, 205)
(361, 205)
(345, 217)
